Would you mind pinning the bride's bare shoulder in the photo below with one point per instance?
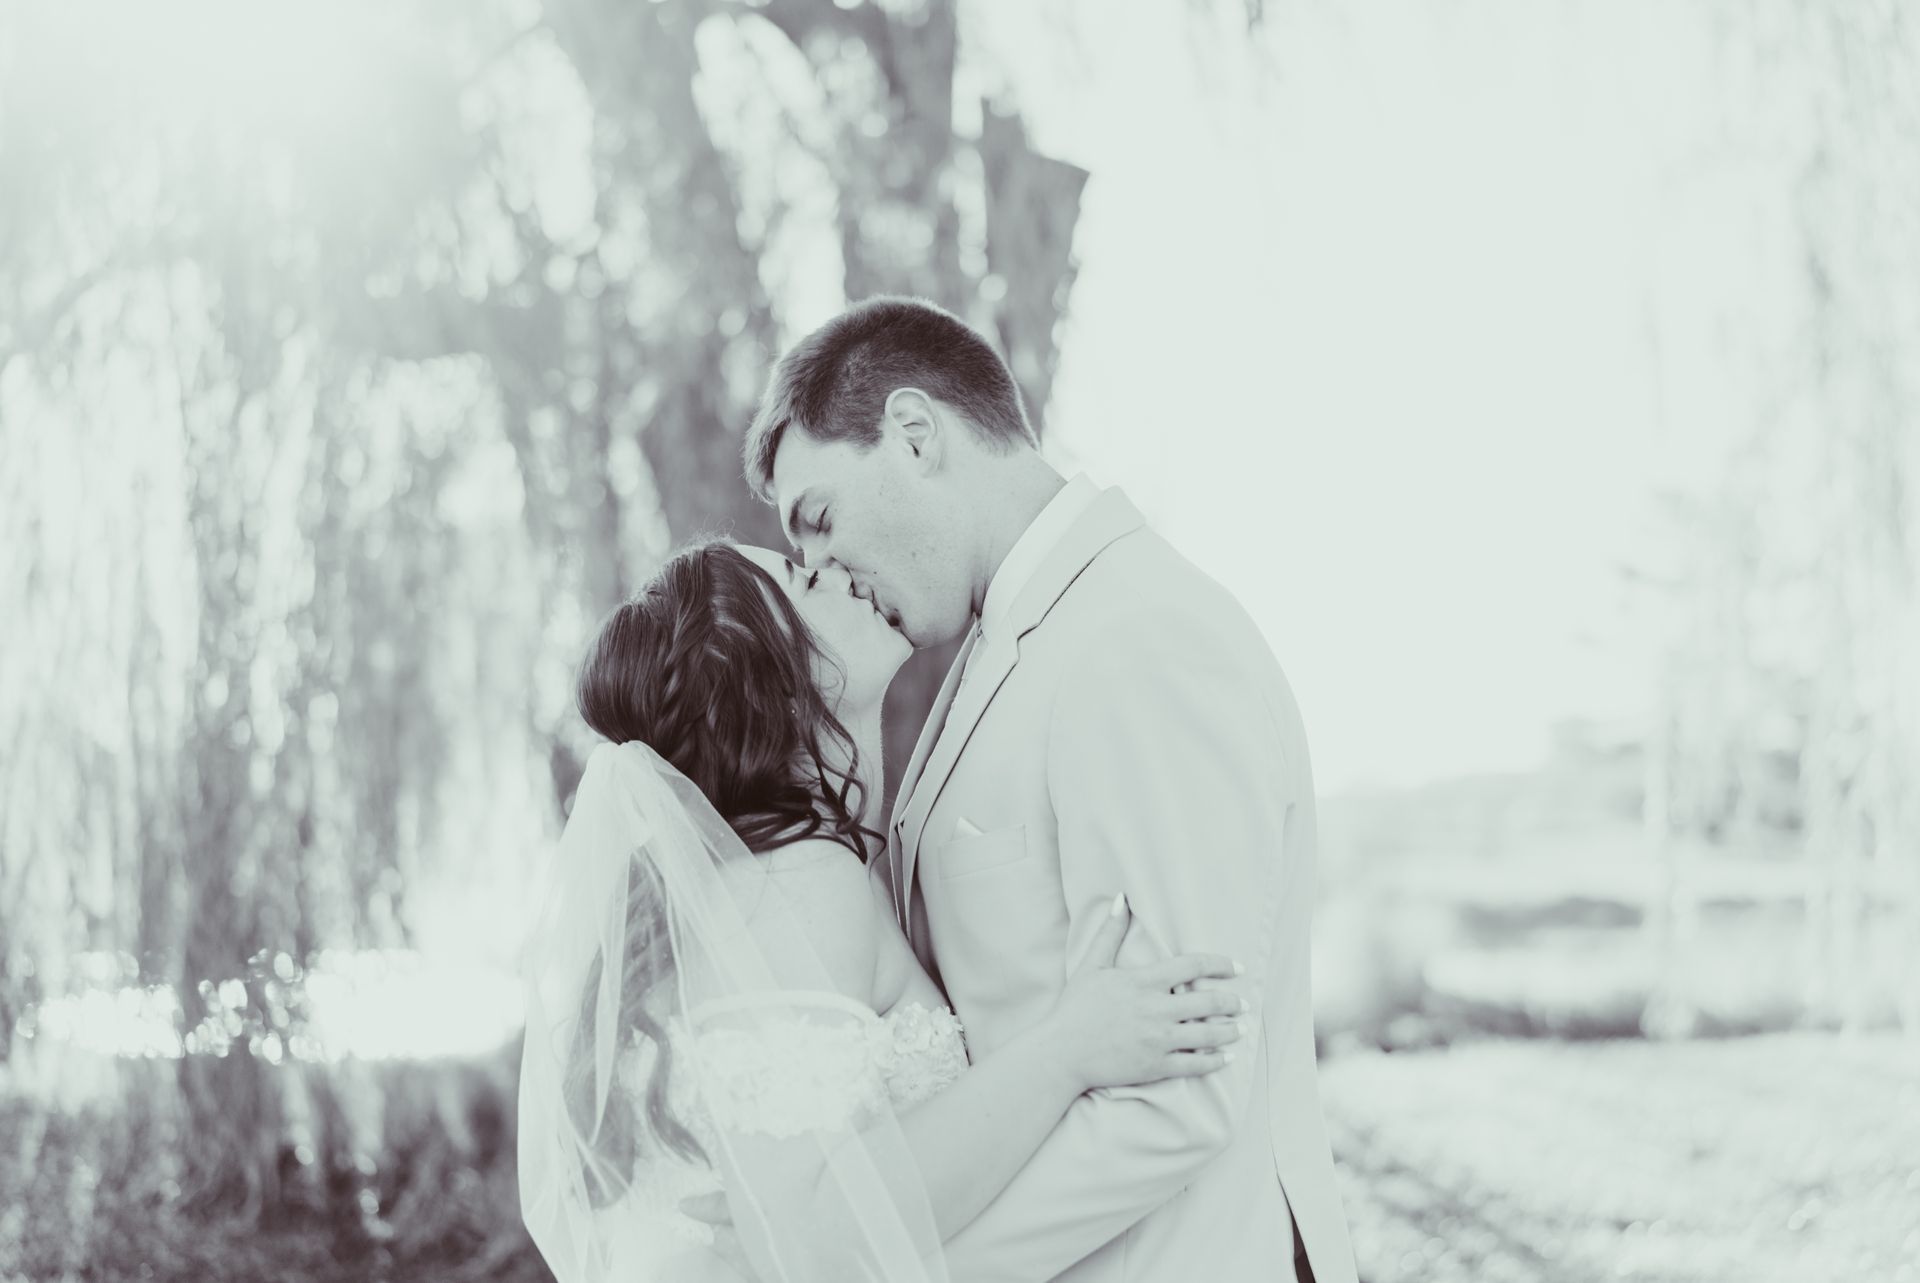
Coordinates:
(815, 855)
(825, 886)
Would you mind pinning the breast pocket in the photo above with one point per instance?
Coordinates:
(982, 851)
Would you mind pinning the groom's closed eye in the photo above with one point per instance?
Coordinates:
(817, 523)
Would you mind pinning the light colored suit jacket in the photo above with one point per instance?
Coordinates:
(1129, 731)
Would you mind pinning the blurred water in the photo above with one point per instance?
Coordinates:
(379, 1004)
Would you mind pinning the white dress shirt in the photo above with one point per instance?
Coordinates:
(1026, 556)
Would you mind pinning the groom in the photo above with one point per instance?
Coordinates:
(1114, 722)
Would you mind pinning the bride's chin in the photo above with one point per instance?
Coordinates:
(896, 662)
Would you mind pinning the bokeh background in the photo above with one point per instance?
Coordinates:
(1543, 375)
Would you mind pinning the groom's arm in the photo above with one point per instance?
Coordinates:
(1168, 778)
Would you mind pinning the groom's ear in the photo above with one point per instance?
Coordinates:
(912, 420)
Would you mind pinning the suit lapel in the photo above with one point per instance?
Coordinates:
(990, 668)
(1109, 517)
(929, 733)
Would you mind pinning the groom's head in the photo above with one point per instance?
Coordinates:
(879, 443)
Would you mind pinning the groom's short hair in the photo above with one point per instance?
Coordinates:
(833, 384)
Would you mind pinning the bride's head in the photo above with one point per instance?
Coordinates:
(745, 671)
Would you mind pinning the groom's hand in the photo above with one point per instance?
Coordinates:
(712, 1210)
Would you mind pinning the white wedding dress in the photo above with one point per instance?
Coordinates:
(782, 1091)
(788, 1063)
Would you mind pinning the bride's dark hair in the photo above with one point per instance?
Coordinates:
(712, 667)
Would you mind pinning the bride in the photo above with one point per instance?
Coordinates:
(721, 1005)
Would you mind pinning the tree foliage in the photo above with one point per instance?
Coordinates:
(352, 364)
(1788, 576)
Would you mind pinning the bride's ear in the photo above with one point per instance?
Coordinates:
(912, 419)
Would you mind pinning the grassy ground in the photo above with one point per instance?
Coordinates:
(1782, 1157)
(1785, 1157)
(89, 1192)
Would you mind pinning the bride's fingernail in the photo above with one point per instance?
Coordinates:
(1245, 1005)
(1239, 970)
(1226, 1057)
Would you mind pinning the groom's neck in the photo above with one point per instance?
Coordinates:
(1020, 487)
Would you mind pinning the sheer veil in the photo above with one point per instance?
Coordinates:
(684, 1037)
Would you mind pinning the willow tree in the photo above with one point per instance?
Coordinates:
(1796, 623)
(280, 301)
(646, 328)
(1854, 393)
(234, 535)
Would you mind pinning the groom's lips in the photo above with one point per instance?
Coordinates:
(891, 618)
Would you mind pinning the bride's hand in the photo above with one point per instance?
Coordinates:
(1121, 1026)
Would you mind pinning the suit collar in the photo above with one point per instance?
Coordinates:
(1106, 519)
(1032, 550)
(959, 709)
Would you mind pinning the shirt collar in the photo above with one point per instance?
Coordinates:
(1028, 553)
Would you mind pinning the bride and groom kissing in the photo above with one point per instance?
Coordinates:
(1051, 1017)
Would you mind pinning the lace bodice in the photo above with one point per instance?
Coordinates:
(819, 1061)
(778, 1068)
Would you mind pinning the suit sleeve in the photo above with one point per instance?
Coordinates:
(1169, 781)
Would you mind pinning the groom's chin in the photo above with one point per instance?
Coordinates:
(938, 633)
(922, 641)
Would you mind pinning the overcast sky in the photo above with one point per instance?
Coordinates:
(1367, 334)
